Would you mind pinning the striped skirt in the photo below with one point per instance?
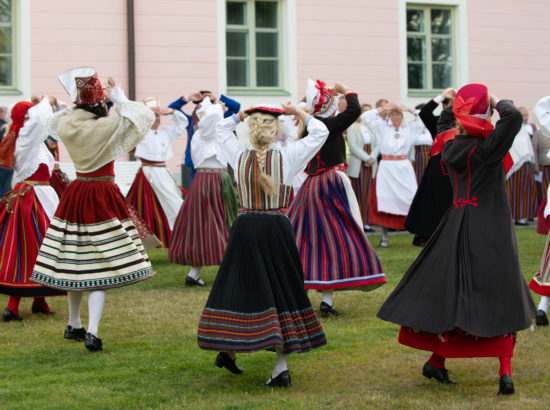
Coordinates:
(543, 224)
(541, 281)
(91, 243)
(334, 250)
(522, 192)
(421, 158)
(382, 218)
(202, 225)
(258, 300)
(144, 200)
(23, 224)
(362, 187)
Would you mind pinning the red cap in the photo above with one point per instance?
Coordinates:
(471, 109)
(89, 90)
(266, 109)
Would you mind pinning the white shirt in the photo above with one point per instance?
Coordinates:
(157, 145)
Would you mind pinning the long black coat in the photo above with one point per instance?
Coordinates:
(468, 275)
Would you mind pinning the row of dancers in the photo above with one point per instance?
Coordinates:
(275, 244)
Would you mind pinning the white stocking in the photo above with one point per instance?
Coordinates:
(74, 299)
(96, 300)
(543, 304)
(195, 272)
(327, 296)
(280, 365)
(385, 234)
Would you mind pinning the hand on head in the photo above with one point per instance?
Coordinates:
(494, 101)
(242, 115)
(449, 93)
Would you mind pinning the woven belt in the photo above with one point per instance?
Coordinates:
(163, 165)
(31, 182)
(212, 170)
(279, 211)
(145, 163)
(103, 178)
(394, 157)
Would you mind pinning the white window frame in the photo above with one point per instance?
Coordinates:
(459, 40)
(287, 57)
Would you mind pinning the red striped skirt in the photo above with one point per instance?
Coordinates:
(543, 224)
(362, 187)
(143, 198)
(382, 218)
(201, 229)
(334, 250)
(421, 158)
(22, 228)
(522, 192)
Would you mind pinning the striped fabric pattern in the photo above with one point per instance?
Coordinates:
(541, 281)
(201, 230)
(250, 194)
(382, 218)
(143, 198)
(91, 256)
(334, 250)
(543, 224)
(362, 187)
(421, 158)
(238, 332)
(521, 192)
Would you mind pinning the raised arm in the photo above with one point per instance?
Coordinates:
(341, 122)
(228, 140)
(233, 107)
(446, 121)
(177, 125)
(34, 132)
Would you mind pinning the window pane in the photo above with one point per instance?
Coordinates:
(441, 21)
(5, 11)
(236, 13)
(416, 48)
(441, 50)
(6, 71)
(266, 14)
(267, 45)
(236, 44)
(442, 76)
(267, 73)
(5, 40)
(416, 76)
(415, 20)
(237, 73)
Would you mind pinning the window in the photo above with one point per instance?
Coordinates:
(253, 44)
(7, 45)
(430, 48)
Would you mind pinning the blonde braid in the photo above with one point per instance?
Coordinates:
(266, 182)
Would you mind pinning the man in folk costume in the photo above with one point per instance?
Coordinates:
(92, 244)
(258, 301)
(540, 284)
(325, 215)
(465, 295)
(26, 211)
(210, 207)
(231, 106)
(154, 193)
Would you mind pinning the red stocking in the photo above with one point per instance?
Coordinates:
(13, 304)
(437, 361)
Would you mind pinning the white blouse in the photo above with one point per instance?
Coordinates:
(157, 145)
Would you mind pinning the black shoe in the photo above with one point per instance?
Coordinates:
(506, 385)
(540, 318)
(282, 380)
(8, 316)
(189, 281)
(520, 222)
(441, 375)
(75, 334)
(92, 343)
(419, 241)
(36, 309)
(223, 360)
(326, 309)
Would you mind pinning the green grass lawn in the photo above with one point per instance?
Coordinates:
(151, 358)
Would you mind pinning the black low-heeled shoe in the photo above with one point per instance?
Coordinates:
(8, 316)
(282, 380)
(326, 309)
(74, 334)
(189, 281)
(541, 319)
(441, 375)
(93, 343)
(37, 309)
(223, 360)
(506, 385)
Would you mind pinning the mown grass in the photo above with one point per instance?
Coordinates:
(151, 358)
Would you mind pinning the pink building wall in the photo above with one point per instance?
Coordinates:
(353, 41)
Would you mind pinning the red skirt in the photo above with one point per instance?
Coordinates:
(145, 201)
(458, 344)
(59, 181)
(382, 218)
(23, 224)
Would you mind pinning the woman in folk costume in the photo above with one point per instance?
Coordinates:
(465, 295)
(92, 244)
(362, 165)
(394, 185)
(520, 181)
(154, 193)
(335, 252)
(258, 301)
(58, 180)
(26, 211)
(210, 207)
(540, 284)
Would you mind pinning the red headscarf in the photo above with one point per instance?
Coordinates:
(7, 146)
(471, 109)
